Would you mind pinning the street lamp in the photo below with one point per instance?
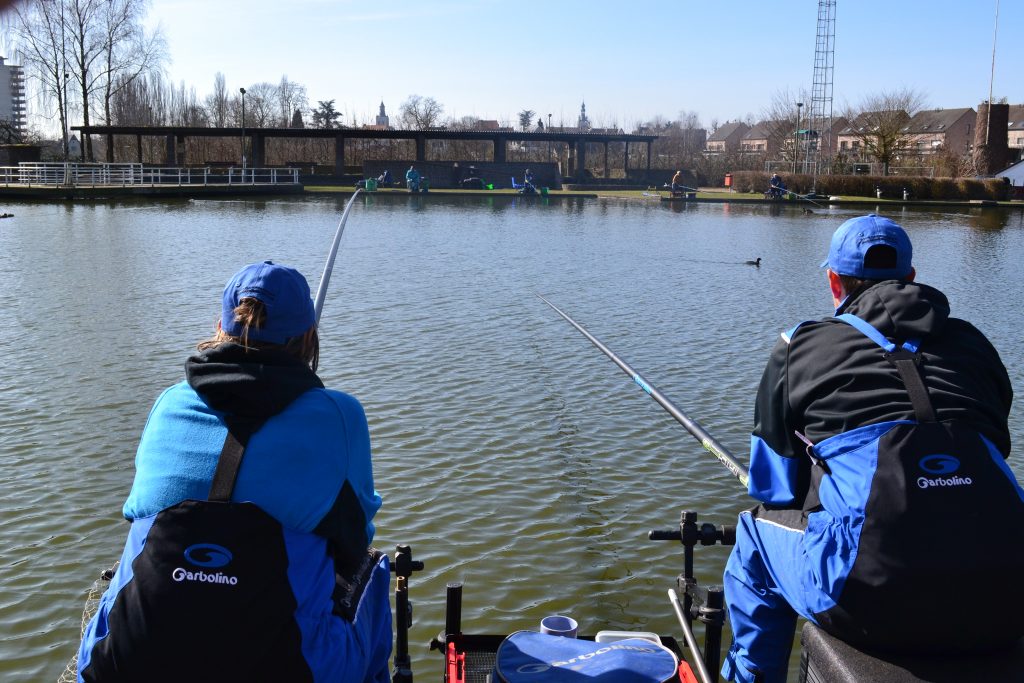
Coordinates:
(796, 137)
(549, 141)
(242, 90)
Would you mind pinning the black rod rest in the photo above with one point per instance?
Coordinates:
(403, 567)
(452, 617)
(710, 601)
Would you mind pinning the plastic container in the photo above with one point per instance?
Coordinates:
(371, 184)
(612, 636)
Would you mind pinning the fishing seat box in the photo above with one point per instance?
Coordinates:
(825, 659)
(471, 658)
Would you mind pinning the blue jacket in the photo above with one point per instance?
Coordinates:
(305, 490)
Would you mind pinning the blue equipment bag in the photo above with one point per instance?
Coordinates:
(531, 657)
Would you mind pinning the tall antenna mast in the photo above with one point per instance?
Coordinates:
(819, 120)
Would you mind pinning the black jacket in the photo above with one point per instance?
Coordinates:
(825, 378)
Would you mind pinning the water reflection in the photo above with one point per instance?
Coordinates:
(989, 218)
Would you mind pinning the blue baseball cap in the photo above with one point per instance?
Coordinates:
(283, 292)
(851, 241)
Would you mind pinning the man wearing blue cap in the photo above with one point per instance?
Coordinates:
(878, 455)
(251, 515)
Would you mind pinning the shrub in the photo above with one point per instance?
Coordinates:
(892, 187)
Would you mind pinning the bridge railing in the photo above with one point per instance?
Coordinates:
(43, 174)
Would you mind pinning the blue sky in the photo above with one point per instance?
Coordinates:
(629, 61)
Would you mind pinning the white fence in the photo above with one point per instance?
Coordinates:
(36, 174)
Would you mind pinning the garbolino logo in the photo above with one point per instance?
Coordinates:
(940, 464)
(208, 555)
(575, 663)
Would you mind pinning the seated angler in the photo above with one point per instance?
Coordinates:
(412, 179)
(251, 515)
(879, 454)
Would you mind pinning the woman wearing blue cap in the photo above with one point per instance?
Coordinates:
(878, 454)
(248, 555)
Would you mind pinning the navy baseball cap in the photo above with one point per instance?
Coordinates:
(283, 292)
(851, 241)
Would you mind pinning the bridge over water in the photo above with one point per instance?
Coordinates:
(575, 142)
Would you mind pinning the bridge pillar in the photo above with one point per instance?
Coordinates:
(625, 161)
(500, 146)
(421, 148)
(339, 155)
(259, 150)
(607, 174)
(169, 157)
(138, 149)
(648, 178)
(581, 160)
(110, 149)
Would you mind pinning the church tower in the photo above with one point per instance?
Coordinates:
(583, 123)
(382, 117)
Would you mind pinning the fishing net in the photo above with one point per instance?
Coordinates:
(92, 603)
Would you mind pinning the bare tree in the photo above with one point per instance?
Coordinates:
(879, 122)
(291, 97)
(97, 44)
(185, 109)
(129, 52)
(261, 101)
(41, 41)
(420, 112)
(781, 121)
(81, 19)
(217, 103)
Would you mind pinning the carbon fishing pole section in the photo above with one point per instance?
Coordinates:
(710, 444)
(325, 279)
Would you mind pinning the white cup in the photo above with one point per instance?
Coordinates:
(558, 625)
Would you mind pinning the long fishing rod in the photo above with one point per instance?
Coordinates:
(709, 442)
(805, 197)
(321, 291)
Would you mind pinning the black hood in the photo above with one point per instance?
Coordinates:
(900, 310)
(252, 383)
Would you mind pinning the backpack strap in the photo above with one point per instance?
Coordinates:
(905, 359)
(240, 430)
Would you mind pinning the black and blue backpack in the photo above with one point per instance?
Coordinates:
(911, 505)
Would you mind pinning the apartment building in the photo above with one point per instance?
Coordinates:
(1015, 131)
(12, 97)
(934, 129)
(727, 138)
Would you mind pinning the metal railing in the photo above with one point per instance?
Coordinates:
(43, 174)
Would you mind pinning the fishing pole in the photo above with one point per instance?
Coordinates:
(691, 640)
(805, 197)
(321, 291)
(710, 444)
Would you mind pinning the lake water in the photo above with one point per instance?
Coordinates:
(510, 453)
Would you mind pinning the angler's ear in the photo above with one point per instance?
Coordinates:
(836, 285)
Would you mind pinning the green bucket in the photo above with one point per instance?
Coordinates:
(371, 184)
